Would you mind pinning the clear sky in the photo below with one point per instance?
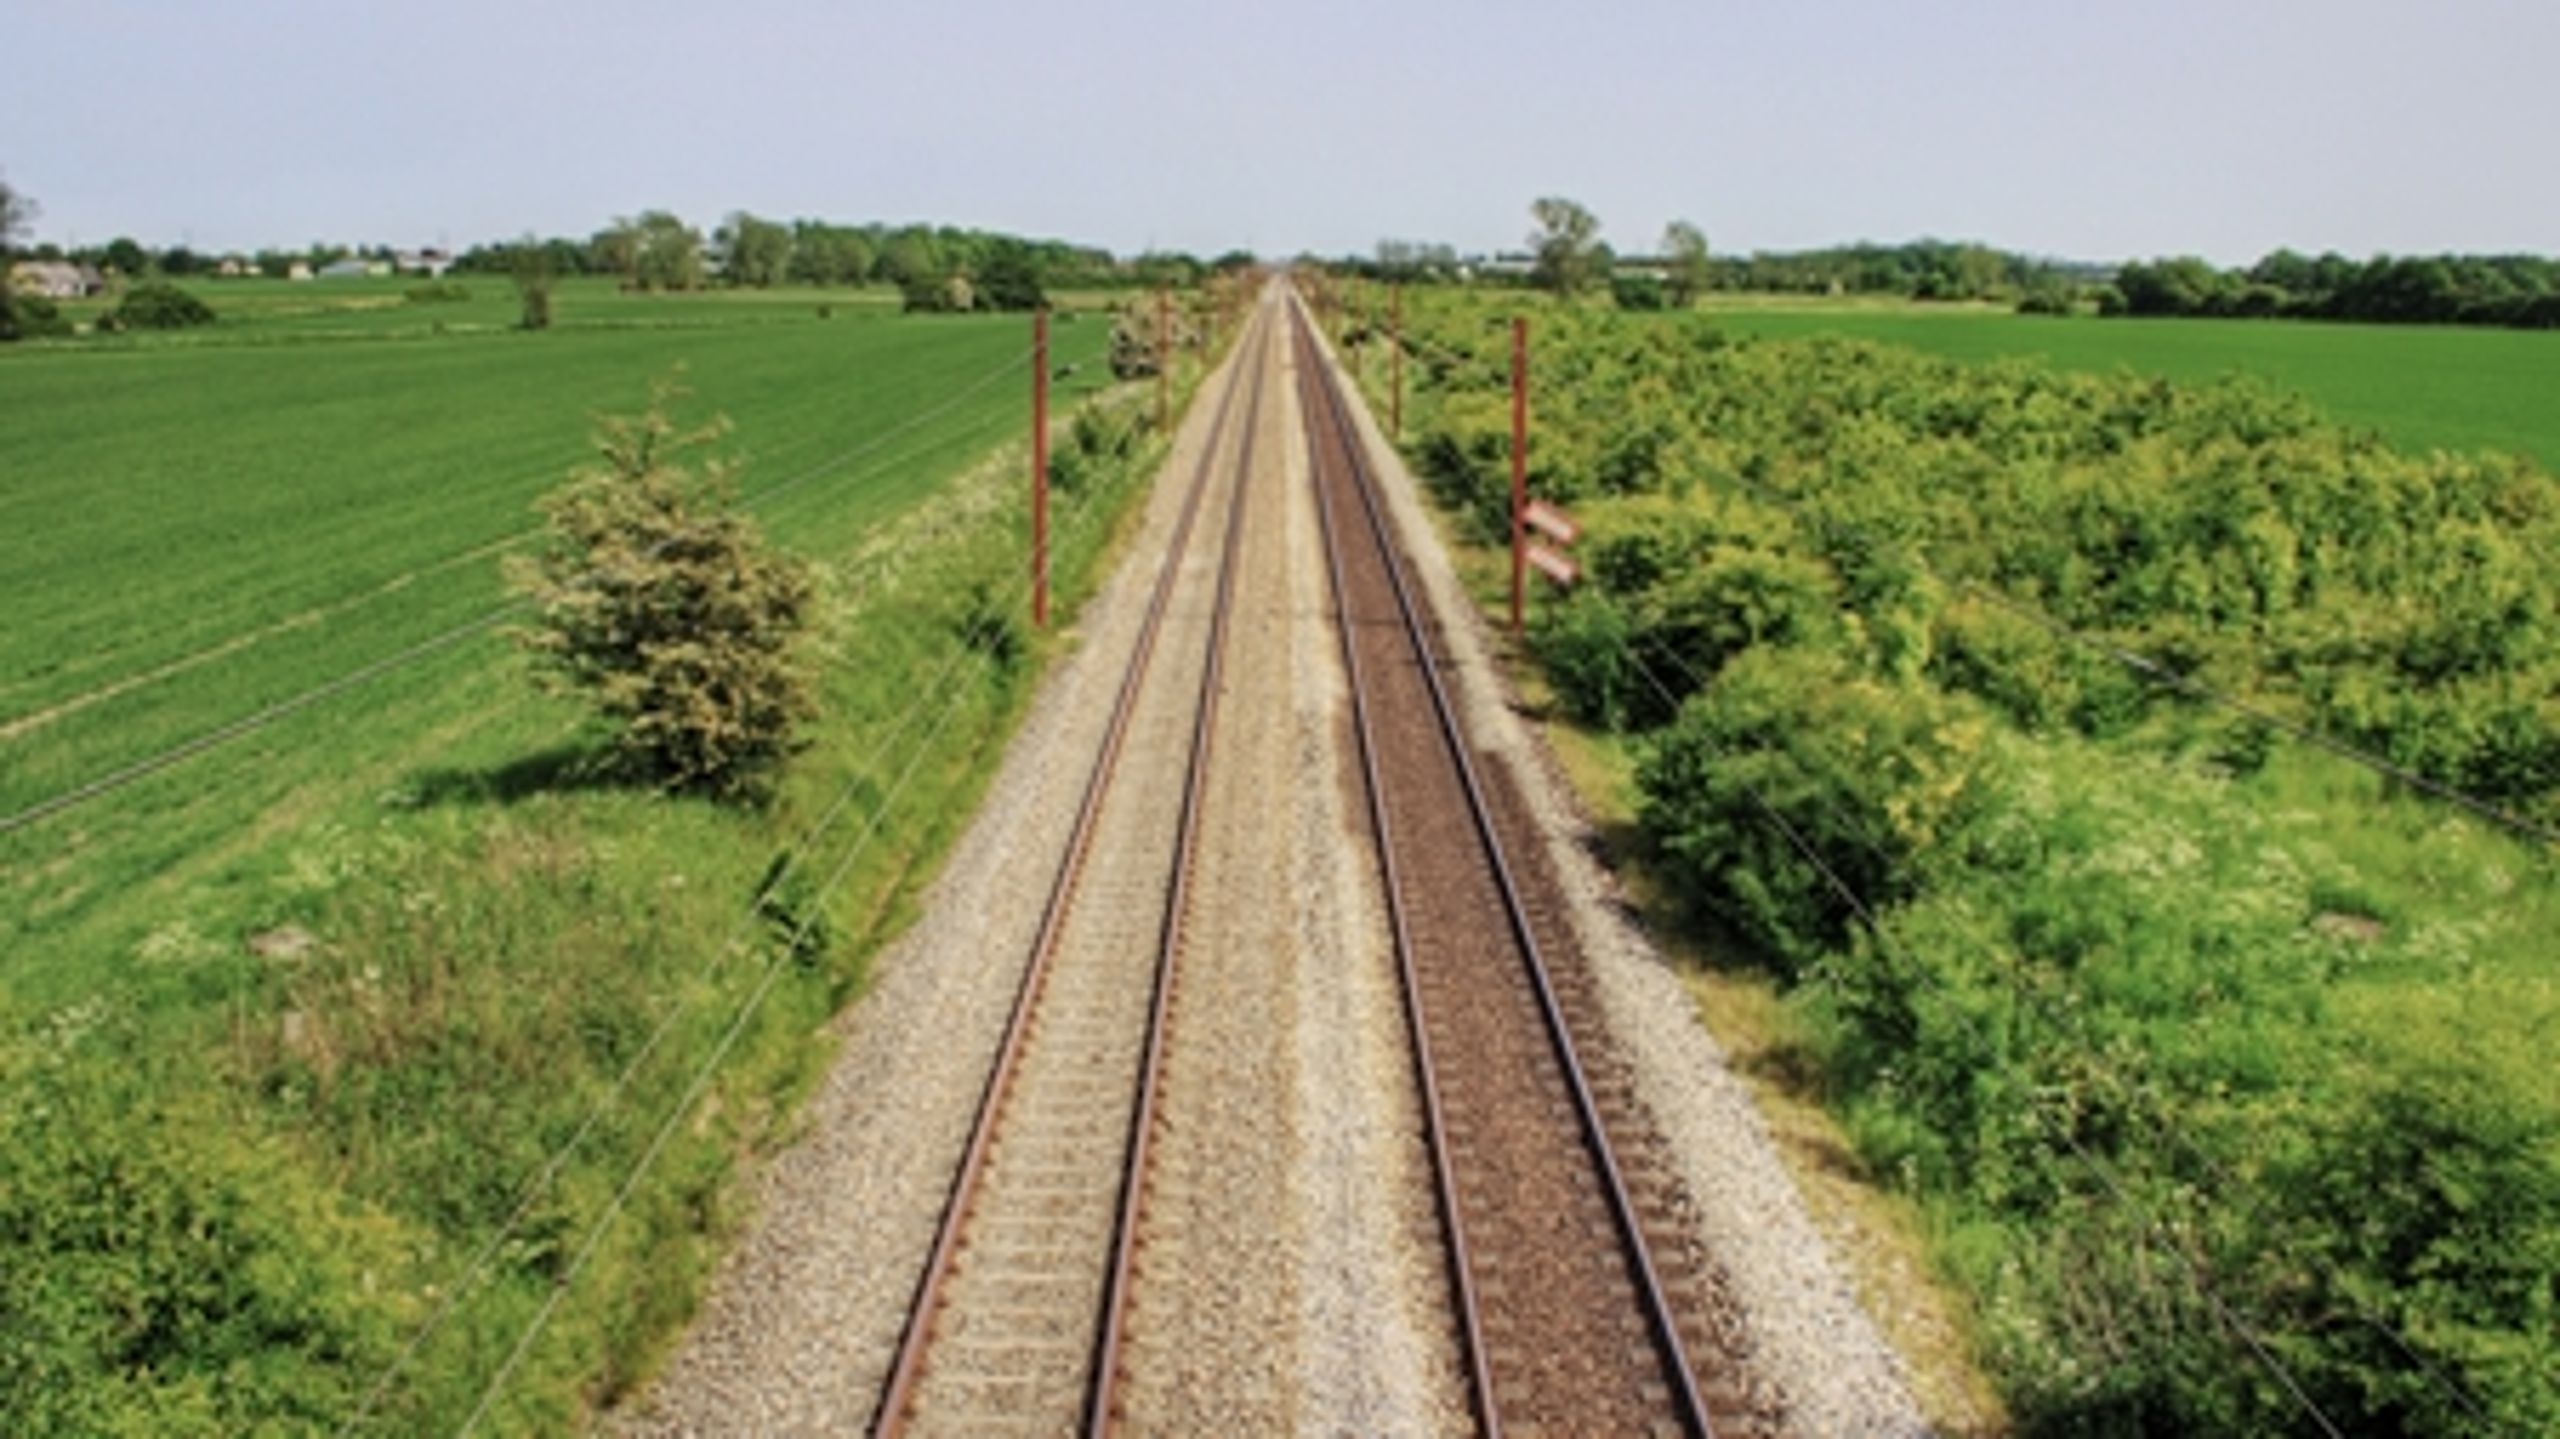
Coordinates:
(2066, 127)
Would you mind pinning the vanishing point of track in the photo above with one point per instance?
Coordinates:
(1565, 1320)
(1016, 1321)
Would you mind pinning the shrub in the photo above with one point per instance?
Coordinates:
(1638, 292)
(437, 292)
(35, 318)
(1860, 780)
(667, 609)
(159, 305)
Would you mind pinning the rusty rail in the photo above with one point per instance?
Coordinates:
(1339, 431)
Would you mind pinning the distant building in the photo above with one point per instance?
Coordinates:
(55, 279)
(298, 270)
(352, 268)
(429, 262)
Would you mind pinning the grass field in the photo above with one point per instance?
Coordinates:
(290, 1028)
(2424, 386)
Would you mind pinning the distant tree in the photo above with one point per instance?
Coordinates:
(17, 213)
(1009, 278)
(823, 254)
(179, 260)
(615, 250)
(533, 266)
(1567, 246)
(670, 252)
(910, 259)
(1684, 255)
(666, 607)
(758, 251)
(127, 256)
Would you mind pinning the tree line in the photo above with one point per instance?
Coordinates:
(2522, 291)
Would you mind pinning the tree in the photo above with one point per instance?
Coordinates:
(670, 255)
(1567, 244)
(668, 609)
(758, 251)
(126, 256)
(615, 250)
(1684, 254)
(17, 213)
(1009, 279)
(533, 266)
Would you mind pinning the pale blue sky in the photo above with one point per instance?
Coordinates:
(2080, 129)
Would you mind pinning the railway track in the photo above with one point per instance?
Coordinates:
(1566, 1322)
(1016, 1320)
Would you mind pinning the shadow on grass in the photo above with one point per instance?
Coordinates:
(571, 768)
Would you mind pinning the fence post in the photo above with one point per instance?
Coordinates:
(1040, 468)
(1519, 462)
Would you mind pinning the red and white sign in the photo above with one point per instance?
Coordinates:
(1554, 523)
(1557, 567)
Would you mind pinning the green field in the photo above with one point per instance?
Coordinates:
(290, 1027)
(2424, 386)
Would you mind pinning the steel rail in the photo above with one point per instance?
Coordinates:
(1434, 1127)
(898, 1393)
(1102, 1397)
(1656, 1303)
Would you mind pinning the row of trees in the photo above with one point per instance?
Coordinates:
(1567, 255)
(2516, 290)
(658, 250)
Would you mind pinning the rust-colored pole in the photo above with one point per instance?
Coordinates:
(1519, 463)
(1395, 361)
(1040, 469)
(1164, 358)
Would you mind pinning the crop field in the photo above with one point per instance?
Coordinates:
(367, 1012)
(201, 531)
(2424, 386)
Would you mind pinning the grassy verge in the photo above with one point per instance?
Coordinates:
(292, 1087)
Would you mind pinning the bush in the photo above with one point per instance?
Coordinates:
(33, 317)
(1638, 292)
(667, 609)
(437, 292)
(159, 305)
(1860, 780)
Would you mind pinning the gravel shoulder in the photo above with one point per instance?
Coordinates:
(1809, 1339)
